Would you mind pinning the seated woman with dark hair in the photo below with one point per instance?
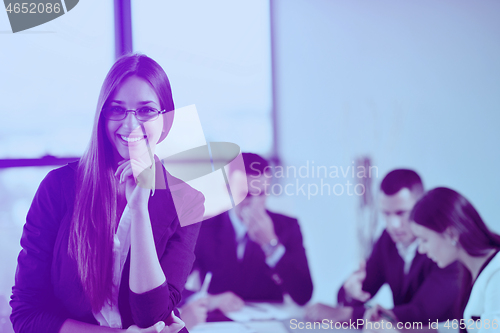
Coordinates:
(449, 229)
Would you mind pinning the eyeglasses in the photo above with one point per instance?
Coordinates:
(143, 114)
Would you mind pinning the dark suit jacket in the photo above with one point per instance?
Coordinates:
(47, 288)
(252, 279)
(425, 293)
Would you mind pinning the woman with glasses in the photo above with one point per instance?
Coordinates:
(449, 229)
(103, 249)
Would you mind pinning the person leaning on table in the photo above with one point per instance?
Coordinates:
(450, 229)
(253, 253)
(421, 290)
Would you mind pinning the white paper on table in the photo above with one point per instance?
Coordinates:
(222, 327)
(258, 311)
(267, 326)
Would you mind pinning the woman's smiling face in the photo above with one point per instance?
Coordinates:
(126, 135)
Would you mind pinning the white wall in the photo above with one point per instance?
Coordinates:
(410, 83)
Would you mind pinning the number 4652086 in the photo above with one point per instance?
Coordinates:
(33, 8)
(472, 324)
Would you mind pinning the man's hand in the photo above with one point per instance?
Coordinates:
(378, 313)
(259, 225)
(195, 312)
(318, 312)
(386, 320)
(226, 302)
(354, 284)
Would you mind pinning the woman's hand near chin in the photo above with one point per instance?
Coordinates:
(139, 179)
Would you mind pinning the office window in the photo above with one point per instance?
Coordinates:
(51, 76)
(217, 56)
(50, 81)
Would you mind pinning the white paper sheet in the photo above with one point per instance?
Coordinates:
(222, 327)
(258, 311)
(267, 326)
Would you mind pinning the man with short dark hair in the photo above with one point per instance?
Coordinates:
(253, 254)
(421, 290)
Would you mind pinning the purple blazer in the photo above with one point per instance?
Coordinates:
(47, 288)
(251, 278)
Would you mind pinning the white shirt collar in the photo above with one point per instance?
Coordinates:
(407, 253)
(239, 228)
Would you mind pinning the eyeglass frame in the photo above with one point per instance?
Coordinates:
(103, 112)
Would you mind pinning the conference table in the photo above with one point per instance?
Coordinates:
(286, 317)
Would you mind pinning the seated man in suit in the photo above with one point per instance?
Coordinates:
(253, 254)
(421, 290)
